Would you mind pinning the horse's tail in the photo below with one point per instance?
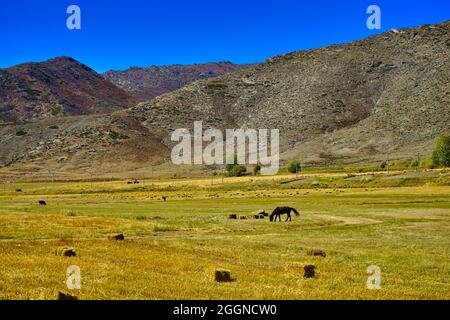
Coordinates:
(295, 211)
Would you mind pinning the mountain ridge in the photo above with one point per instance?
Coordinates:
(145, 83)
(56, 87)
(385, 96)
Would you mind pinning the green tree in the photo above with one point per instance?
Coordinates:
(383, 164)
(441, 152)
(293, 166)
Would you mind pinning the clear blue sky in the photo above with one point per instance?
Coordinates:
(116, 35)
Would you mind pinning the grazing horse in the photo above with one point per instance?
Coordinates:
(282, 210)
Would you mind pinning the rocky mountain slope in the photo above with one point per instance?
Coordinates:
(147, 83)
(384, 96)
(57, 87)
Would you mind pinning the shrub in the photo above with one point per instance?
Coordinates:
(414, 164)
(383, 165)
(293, 166)
(55, 109)
(21, 133)
(234, 169)
(441, 152)
(238, 171)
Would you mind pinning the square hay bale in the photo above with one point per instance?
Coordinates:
(223, 275)
(314, 252)
(66, 252)
(309, 271)
(118, 237)
(65, 296)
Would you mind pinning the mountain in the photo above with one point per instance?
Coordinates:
(383, 96)
(57, 87)
(386, 96)
(147, 83)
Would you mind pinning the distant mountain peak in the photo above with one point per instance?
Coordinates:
(147, 83)
(56, 87)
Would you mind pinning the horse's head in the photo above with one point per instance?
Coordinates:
(271, 217)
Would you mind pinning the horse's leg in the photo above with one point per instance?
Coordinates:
(279, 217)
(288, 216)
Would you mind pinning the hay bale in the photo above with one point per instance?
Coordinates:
(314, 252)
(222, 275)
(66, 296)
(119, 237)
(232, 216)
(261, 212)
(66, 252)
(309, 271)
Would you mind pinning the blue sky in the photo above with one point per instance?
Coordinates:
(116, 35)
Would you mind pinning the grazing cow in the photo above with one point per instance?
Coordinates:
(42, 202)
(164, 198)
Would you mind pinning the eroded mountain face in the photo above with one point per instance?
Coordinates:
(387, 94)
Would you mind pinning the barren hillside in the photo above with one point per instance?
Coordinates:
(384, 96)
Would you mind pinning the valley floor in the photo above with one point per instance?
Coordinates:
(172, 248)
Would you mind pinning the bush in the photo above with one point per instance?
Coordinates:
(383, 165)
(21, 133)
(293, 166)
(55, 109)
(234, 169)
(238, 171)
(414, 164)
(230, 166)
(441, 152)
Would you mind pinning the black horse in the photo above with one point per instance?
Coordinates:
(282, 210)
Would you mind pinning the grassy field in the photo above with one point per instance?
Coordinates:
(397, 221)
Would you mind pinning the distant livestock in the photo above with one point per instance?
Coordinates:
(42, 202)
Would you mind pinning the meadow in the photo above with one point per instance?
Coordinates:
(398, 221)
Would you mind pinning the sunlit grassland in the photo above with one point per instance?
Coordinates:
(172, 248)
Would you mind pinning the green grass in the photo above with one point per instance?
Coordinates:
(172, 248)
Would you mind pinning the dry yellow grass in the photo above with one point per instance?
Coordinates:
(171, 249)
